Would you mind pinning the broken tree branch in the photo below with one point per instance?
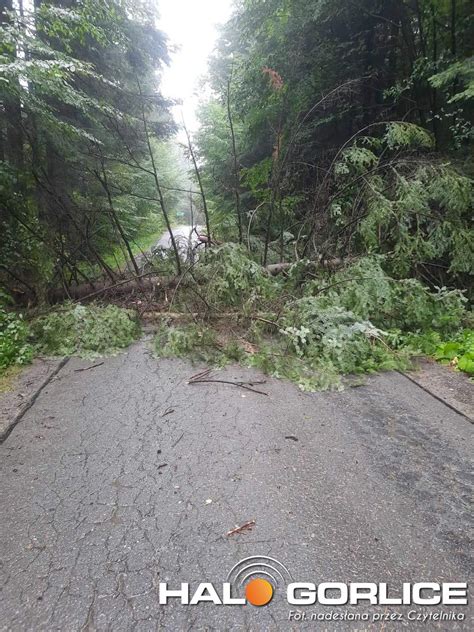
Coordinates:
(204, 378)
(88, 368)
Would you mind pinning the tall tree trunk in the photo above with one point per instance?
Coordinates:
(201, 188)
(434, 92)
(236, 165)
(157, 184)
(13, 149)
(453, 27)
(105, 185)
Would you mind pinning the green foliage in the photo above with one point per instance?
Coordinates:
(402, 135)
(418, 209)
(193, 341)
(360, 159)
(367, 126)
(83, 330)
(459, 352)
(214, 141)
(367, 291)
(357, 320)
(71, 117)
(333, 340)
(233, 278)
(460, 73)
(257, 178)
(14, 345)
(343, 324)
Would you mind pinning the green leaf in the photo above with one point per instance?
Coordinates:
(448, 351)
(466, 363)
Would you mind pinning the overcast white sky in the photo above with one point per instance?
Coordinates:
(190, 26)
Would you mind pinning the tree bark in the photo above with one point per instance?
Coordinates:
(104, 288)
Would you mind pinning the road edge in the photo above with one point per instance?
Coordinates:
(441, 399)
(5, 433)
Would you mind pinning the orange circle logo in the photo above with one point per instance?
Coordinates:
(259, 592)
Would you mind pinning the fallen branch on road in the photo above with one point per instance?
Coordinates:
(247, 526)
(88, 368)
(329, 264)
(204, 378)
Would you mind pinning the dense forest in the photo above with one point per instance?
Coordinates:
(332, 171)
(352, 130)
(85, 165)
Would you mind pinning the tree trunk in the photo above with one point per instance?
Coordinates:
(104, 182)
(198, 176)
(157, 185)
(13, 150)
(236, 166)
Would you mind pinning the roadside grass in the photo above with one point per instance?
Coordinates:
(8, 376)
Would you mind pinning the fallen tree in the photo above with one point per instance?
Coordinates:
(147, 283)
(330, 264)
(144, 283)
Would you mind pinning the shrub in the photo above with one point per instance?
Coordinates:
(14, 346)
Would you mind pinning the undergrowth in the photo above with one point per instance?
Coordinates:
(14, 345)
(357, 320)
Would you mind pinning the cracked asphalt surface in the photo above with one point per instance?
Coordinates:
(103, 496)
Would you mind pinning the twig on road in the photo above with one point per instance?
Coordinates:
(176, 442)
(88, 368)
(203, 378)
(247, 526)
(168, 411)
(199, 375)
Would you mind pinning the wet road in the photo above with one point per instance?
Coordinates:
(124, 476)
(184, 236)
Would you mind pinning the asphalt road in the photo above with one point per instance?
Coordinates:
(123, 476)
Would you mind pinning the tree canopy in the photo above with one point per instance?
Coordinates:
(354, 129)
(80, 101)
